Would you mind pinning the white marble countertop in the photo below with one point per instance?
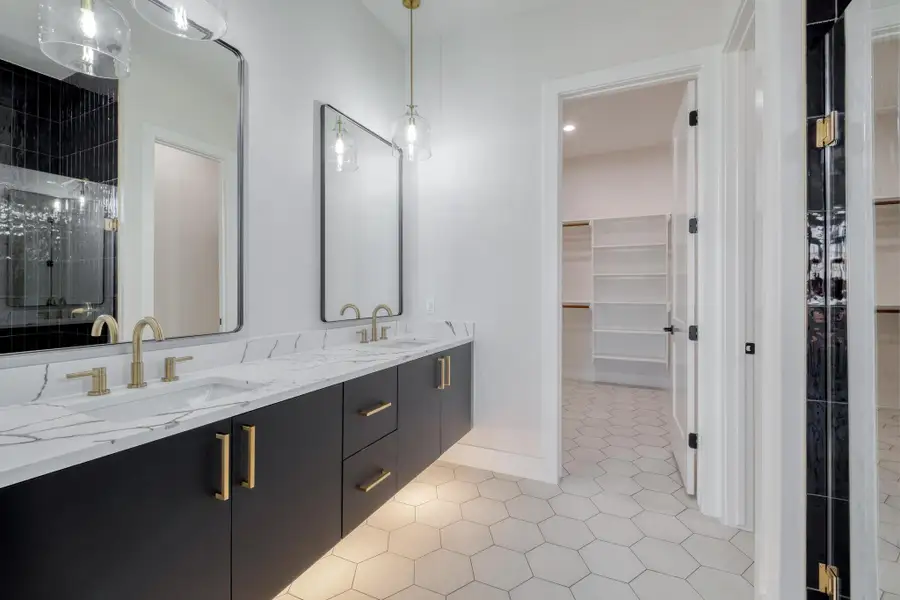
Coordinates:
(44, 436)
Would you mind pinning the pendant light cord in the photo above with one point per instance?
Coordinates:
(411, 64)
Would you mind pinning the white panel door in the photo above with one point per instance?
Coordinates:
(684, 352)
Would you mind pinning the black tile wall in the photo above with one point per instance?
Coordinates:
(827, 424)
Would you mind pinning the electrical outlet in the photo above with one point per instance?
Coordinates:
(429, 306)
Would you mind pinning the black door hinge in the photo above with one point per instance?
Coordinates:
(693, 118)
(693, 225)
(692, 441)
(693, 333)
(749, 348)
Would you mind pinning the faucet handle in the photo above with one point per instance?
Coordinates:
(98, 380)
(170, 375)
(364, 334)
(384, 330)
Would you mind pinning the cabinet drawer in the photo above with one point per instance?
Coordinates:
(370, 480)
(370, 409)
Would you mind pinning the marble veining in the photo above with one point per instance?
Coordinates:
(54, 426)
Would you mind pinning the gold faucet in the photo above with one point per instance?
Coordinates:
(375, 319)
(347, 307)
(137, 361)
(97, 329)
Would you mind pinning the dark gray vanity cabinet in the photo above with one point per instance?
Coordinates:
(286, 502)
(419, 418)
(370, 409)
(141, 524)
(456, 397)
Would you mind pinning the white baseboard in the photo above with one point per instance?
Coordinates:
(517, 465)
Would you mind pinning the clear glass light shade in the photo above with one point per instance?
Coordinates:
(86, 36)
(343, 156)
(201, 20)
(412, 136)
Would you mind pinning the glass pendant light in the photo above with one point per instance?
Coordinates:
(201, 20)
(343, 158)
(412, 132)
(86, 36)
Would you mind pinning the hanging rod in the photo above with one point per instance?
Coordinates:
(888, 310)
(886, 201)
(577, 224)
(575, 305)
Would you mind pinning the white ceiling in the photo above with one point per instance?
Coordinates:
(621, 121)
(438, 17)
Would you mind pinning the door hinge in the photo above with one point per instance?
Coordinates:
(827, 130)
(693, 333)
(692, 441)
(829, 581)
(749, 348)
(111, 224)
(693, 225)
(693, 118)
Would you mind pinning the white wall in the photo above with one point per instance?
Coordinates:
(631, 183)
(479, 198)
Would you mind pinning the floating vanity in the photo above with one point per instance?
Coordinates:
(228, 483)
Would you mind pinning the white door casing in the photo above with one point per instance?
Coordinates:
(684, 290)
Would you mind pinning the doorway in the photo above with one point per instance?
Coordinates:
(188, 200)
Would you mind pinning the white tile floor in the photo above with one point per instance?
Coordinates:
(617, 527)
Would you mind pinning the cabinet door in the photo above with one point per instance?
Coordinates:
(292, 514)
(419, 418)
(142, 524)
(456, 399)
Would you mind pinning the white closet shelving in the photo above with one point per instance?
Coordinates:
(630, 305)
(887, 295)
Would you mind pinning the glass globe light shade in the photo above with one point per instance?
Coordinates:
(343, 156)
(86, 36)
(201, 20)
(412, 136)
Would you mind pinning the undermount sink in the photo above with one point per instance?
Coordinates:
(405, 343)
(159, 399)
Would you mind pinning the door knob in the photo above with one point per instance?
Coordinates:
(670, 330)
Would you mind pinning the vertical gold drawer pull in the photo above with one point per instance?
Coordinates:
(376, 410)
(225, 442)
(368, 487)
(449, 371)
(251, 451)
(443, 384)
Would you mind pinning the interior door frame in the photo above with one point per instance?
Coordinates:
(704, 65)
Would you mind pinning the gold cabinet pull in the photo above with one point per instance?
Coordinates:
(250, 483)
(449, 372)
(225, 442)
(829, 581)
(376, 410)
(375, 483)
(443, 385)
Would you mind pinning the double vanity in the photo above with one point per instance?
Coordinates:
(228, 483)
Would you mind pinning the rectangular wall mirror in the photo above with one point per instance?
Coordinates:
(362, 212)
(118, 197)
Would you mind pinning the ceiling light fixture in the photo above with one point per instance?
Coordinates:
(412, 132)
(569, 128)
(201, 20)
(86, 36)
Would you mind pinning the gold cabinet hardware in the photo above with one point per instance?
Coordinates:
(251, 455)
(829, 582)
(98, 380)
(224, 494)
(170, 375)
(384, 330)
(827, 130)
(364, 336)
(368, 487)
(449, 372)
(110, 322)
(111, 224)
(376, 410)
(352, 307)
(443, 362)
(137, 347)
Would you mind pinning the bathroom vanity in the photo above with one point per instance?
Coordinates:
(234, 499)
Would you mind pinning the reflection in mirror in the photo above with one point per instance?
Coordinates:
(117, 197)
(361, 220)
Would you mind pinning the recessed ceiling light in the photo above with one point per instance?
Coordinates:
(569, 128)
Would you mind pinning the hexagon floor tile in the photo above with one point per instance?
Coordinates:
(628, 533)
